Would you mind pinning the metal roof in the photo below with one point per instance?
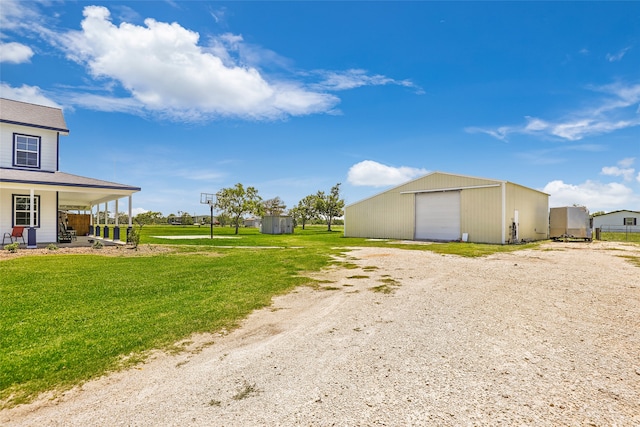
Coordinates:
(33, 115)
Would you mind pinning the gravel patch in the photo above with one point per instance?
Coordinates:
(541, 337)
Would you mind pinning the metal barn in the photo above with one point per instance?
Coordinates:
(447, 207)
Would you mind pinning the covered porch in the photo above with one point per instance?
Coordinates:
(61, 208)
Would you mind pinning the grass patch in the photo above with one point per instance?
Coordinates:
(247, 390)
(69, 318)
(358, 276)
(620, 237)
(66, 319)
(632, 259)
(388, 285)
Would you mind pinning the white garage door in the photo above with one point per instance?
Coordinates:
(438, 216)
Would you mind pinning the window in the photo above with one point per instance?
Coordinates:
(26, 151)
(630, 221)
(22, 210)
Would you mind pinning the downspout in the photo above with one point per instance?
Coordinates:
(504, 211)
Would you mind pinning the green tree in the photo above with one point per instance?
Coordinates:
(237, 201)
(329, 206)
(305, 210)
(274, 206)
(141, 220)
(223, 219)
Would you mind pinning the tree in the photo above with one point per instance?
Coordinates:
(149, 217)
(305, 210)
(237, 201)
(329, 206)
(274, 206)
(141, 220)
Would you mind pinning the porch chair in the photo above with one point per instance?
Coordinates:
(17, 232)
(64, 236)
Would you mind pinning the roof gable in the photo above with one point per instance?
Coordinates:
(32, 115)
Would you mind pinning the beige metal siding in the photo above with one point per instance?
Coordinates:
(481, 214)
(392, 214)
(533, 212)
(438, 181)
(387, 215)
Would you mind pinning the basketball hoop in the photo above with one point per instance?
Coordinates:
(208, 199)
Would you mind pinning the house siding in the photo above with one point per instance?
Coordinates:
(48, 146)
(614, 221)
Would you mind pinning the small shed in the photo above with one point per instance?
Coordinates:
(277, 225)
(622, 221)
(252, 222)
(446, 207)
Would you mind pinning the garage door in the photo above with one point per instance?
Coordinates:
(438, 216)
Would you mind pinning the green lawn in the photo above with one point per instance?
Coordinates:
(65, 319)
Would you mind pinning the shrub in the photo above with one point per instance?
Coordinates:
(13, 247)
(52, 247)
(134, 237)
(97, 245)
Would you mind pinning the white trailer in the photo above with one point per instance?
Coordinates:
(570, 222)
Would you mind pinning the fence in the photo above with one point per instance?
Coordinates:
(630, 233)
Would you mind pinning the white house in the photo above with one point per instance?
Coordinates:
(34, 193)
(620, 221)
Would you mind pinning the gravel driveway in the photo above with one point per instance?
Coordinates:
(541, 337)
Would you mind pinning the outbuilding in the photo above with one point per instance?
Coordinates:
(446, 207)
(618, 221)
(277, 224)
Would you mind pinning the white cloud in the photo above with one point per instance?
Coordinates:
(374, 174)
(623, 169)
(616, 110)
(165, 70)
(350, 79)
(24, 93)
(15, 53)
(137, 211)
(612, 57)
(596, 196)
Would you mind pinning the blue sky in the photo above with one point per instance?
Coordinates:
(185, 97)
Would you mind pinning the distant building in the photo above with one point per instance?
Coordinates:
(618, 221)
(252, 222)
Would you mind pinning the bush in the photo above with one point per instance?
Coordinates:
(97, 245)
(13, 247)
(52, 247)
(134, 237)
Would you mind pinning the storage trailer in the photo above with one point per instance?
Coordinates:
(570, 222)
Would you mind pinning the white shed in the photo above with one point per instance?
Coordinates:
(277, 225)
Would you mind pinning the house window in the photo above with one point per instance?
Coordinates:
(630, 221)
(26, 151)
(22, 210)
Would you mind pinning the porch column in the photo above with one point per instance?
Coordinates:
(31, 234)
(106, 220)
(116, 229)
(98, 220)
(90, 220)
(129, 227)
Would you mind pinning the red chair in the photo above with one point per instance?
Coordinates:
(17, 232)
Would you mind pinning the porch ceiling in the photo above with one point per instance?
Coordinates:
(74, 192)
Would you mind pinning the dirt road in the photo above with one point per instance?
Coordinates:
(541, 337)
